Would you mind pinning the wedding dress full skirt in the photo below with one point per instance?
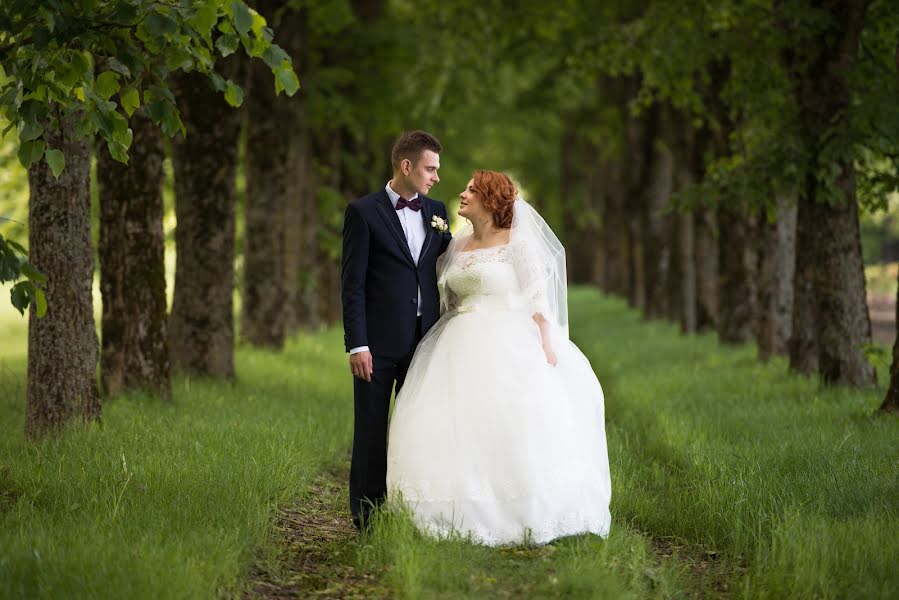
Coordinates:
(489, 440)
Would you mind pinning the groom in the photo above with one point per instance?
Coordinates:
(390, 300)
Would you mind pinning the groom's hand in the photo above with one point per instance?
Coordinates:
(361, 366)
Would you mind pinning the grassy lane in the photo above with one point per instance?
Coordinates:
(793, 485)
(166, 500)
(730, 478)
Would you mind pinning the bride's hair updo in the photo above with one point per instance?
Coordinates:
(498, 193)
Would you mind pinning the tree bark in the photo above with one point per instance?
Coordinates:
(685, 284)
(657, 250)
(706, 248)
(803, 345)
(205, 162)
(275, 172)
(270, 125)
(638, 158)
(823, 92)
(578, 239)
(841, 310)
(135, 352)
(776, 276)
(62, 346)
(738, 272)
(891, 400)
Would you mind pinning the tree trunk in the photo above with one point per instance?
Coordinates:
(891, 400)
(803, 345)
(62, 345)
(637, 160)
(135, 351)
(687, 260)
(578, 242)
(308, 306)
(824, 94)
(615, 243)
(657, 250)
(274, 174)
(776, 276)
(205, 162)
(686, 173)
(841, 310)
(706, 249)
(738, 272)
(268, 174)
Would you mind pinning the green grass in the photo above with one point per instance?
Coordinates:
(796, 482)
(166, 500)
(764, 485)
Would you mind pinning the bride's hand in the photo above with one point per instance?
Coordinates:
(550, 356)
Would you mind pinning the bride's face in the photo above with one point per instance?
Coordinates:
(470, 205)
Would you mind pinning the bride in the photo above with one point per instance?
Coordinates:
(498, 432)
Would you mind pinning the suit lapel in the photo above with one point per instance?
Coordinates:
(388, 213)
(429, 231)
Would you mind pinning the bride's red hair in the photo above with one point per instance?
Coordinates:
(497, 193)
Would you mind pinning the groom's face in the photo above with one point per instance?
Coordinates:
(422, 174)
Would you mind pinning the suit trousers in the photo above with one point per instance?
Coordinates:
(368, 469)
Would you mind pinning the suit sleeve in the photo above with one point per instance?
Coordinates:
(353, 273)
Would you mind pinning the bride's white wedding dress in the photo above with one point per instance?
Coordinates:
(487, 438)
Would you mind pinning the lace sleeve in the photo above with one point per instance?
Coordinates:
(450, 301)
(532, 276)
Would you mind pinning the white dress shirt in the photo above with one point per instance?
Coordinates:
(414, 229)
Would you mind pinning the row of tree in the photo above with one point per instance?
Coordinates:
(703, 159)
(732, 147)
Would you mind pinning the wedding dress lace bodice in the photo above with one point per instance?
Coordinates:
(502, 276)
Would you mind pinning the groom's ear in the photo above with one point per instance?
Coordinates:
(406, 166)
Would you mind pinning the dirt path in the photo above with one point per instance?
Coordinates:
(318, 547)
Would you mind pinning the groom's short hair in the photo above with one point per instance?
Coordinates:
(411, 144)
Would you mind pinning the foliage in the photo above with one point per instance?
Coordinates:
(14, 266)
(101, 61)
(734, 67)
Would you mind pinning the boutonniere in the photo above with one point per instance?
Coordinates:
(439, 224)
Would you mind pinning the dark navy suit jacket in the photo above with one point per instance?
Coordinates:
(380, 280)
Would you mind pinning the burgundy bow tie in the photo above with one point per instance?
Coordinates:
(414, 204)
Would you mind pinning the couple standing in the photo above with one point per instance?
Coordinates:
(498, 427)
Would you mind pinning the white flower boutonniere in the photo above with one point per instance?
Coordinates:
(439, 224)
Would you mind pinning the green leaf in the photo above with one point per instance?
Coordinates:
(179, 59)
(158, 24)
(274, 56)
(31, 152)
(218, 82)
(204, 20)
(233, 94)
(227, 44)
(130, 99)
(119, 67)
(31, 272)
(107, 84)
(243, 18)
(10, 267)
(19, 247)
(19, 296)
(117, 151)
(286, 79)
(40, 302)
(31, 131)
(56, 161)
